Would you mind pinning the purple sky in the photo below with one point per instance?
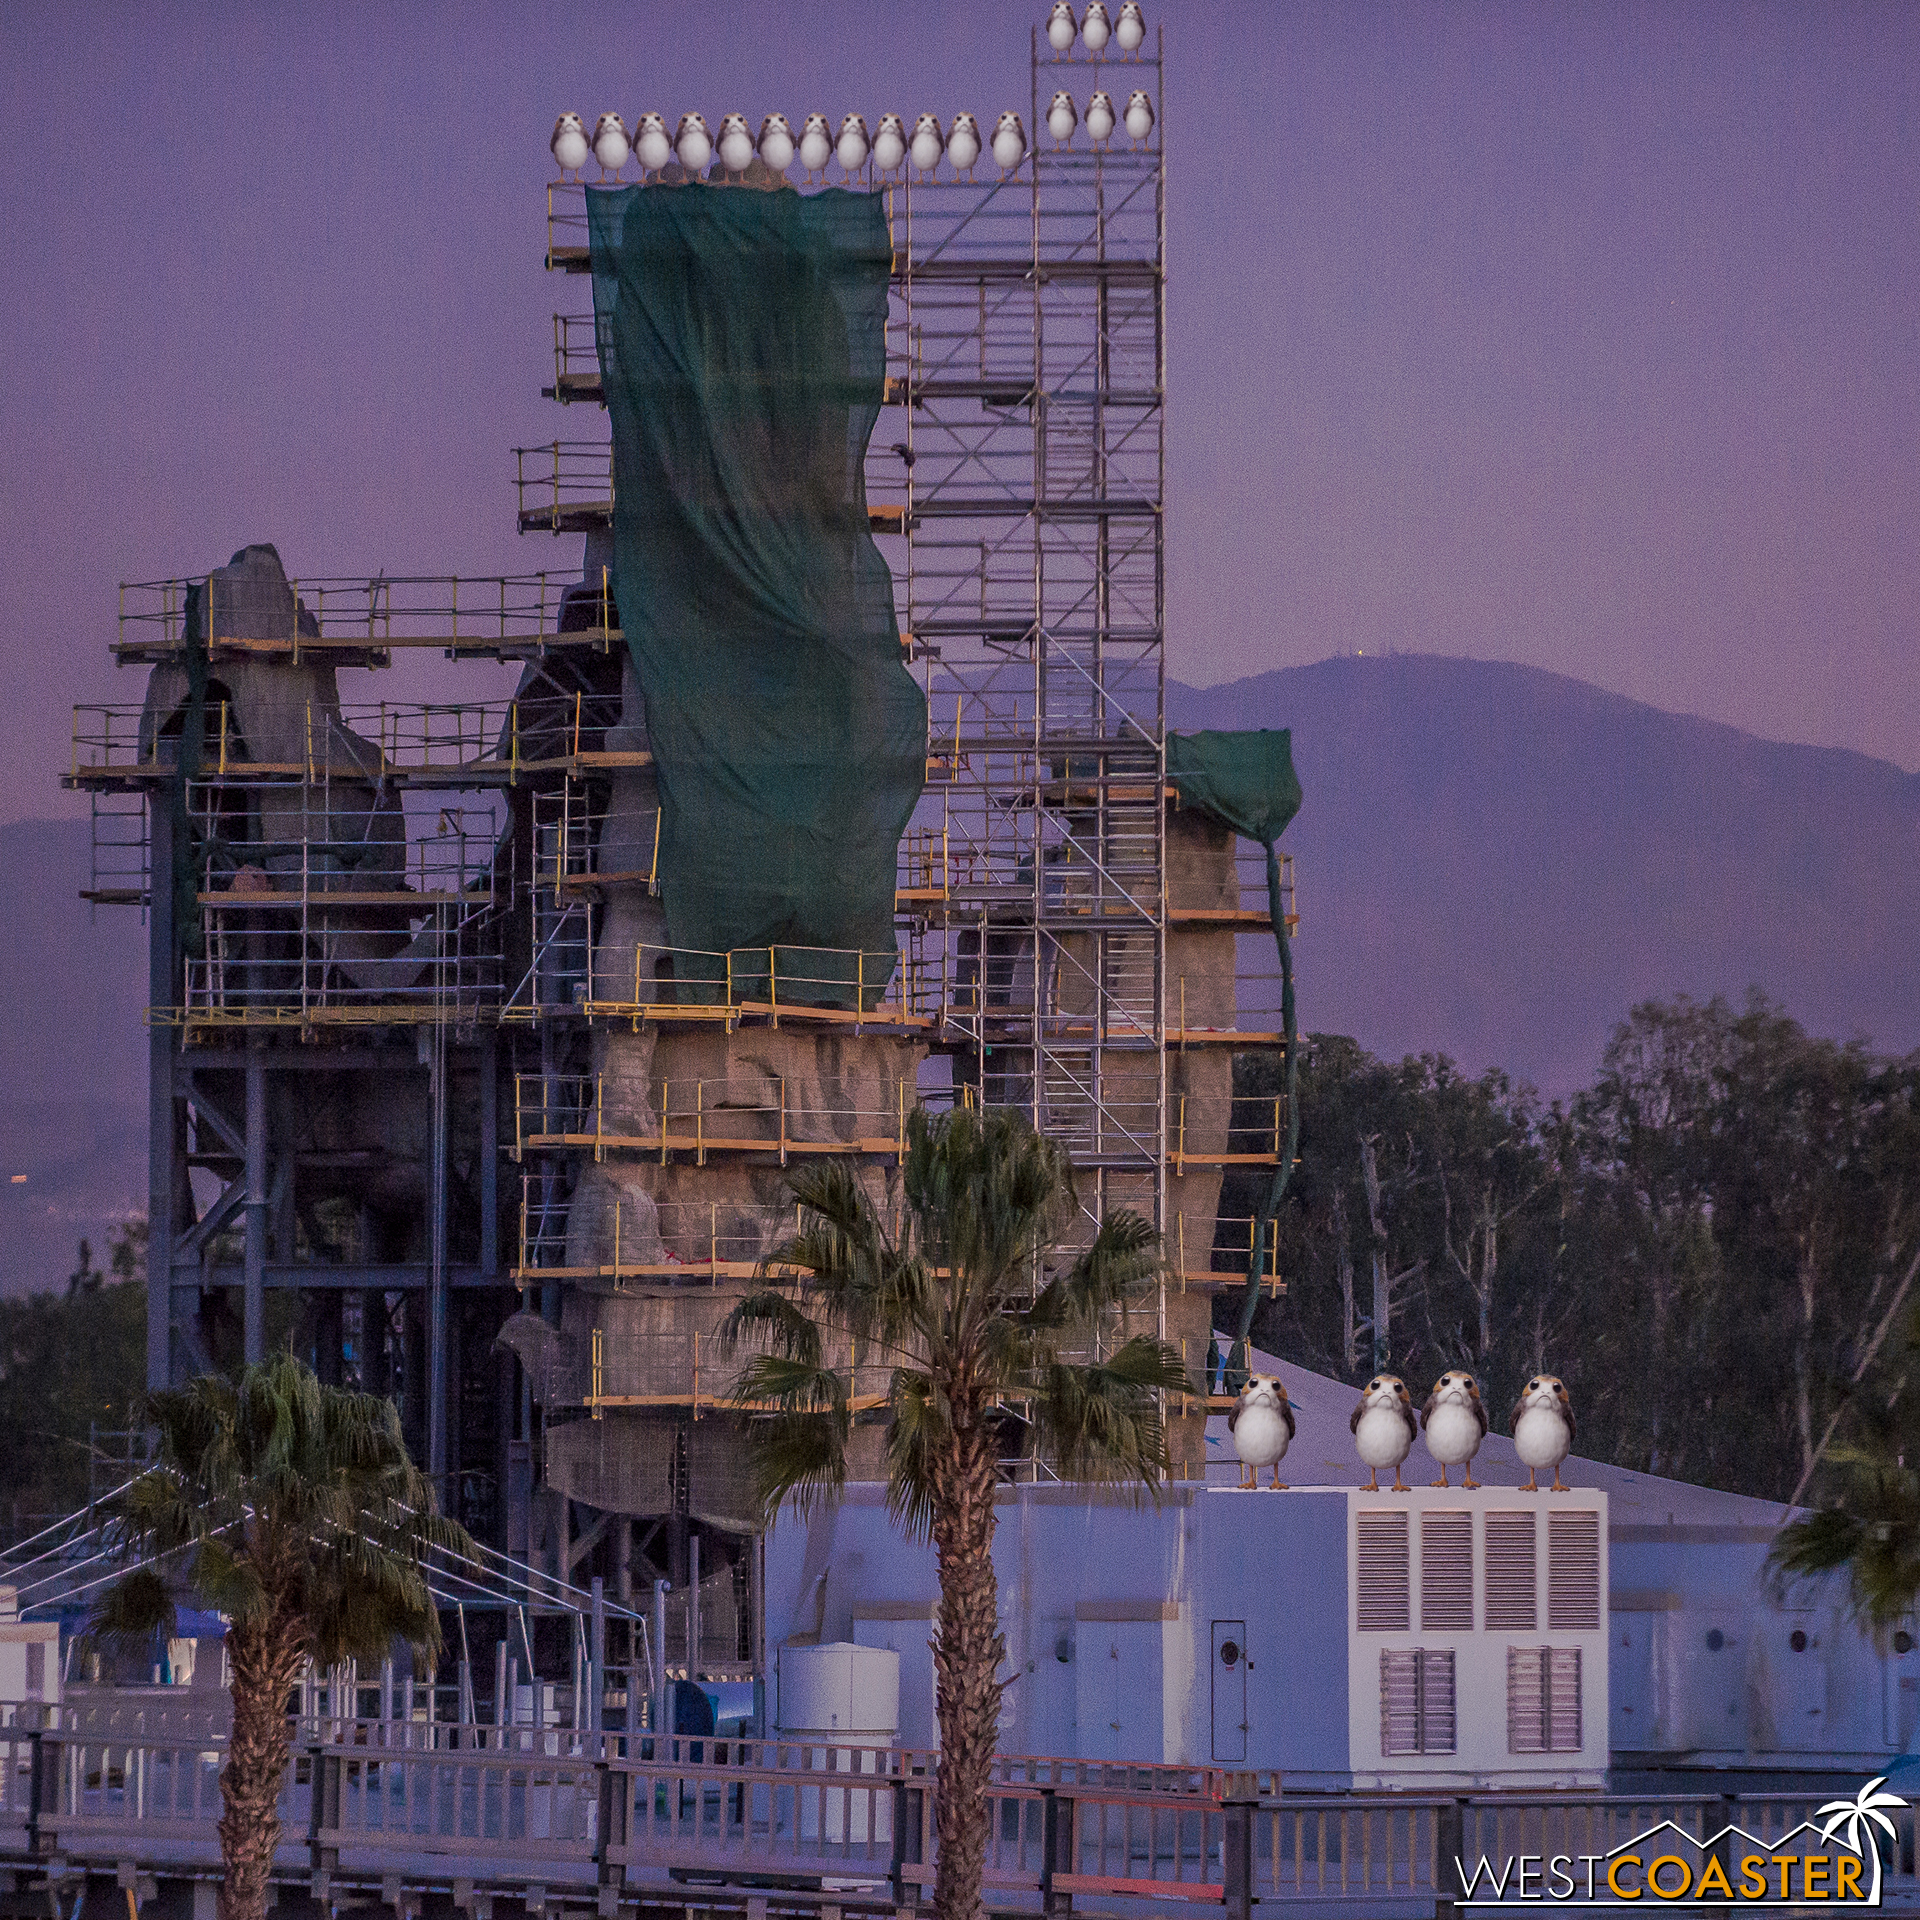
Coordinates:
(1581, 336)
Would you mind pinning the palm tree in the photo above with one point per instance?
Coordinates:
(969, 1318)
(1870, 1532)
(293, 1509)
(1860, 1816)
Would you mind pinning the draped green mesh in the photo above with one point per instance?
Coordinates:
(1247, 780)
(742, 355)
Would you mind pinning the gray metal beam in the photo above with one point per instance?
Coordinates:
(409, 1277)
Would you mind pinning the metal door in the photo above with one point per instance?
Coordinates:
(1230, 1691)
(1633, 1718)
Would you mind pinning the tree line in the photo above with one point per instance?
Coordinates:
(1714, 1244)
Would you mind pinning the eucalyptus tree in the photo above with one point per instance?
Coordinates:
(967, 1313)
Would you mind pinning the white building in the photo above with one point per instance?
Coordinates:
(1431, 1639)
(29, 1660)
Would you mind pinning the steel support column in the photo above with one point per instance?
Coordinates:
(254, 1309)
(162, 1109)
(436, 1048)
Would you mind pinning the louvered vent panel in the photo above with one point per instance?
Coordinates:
(1563, 1700)
(1573, 1572)
(1437, 1728)
(1446, 1572)
(1526, 1700)
(1383, 1572)
(1417, 1713)
(1399, 1702)
(1543, 1699)
(1511, 1580)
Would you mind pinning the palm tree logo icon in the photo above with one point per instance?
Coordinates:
(1860, 1816)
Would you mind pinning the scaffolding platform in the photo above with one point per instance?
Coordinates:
(363, 622)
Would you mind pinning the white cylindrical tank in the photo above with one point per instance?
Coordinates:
(840, 1696)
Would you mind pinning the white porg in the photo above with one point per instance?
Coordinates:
(1543, 1429)
(929, 143)
(1383, 1428)
(1131, 28)
(1100, 118)
(890, 143)
(1096, 26)
(854, 144)
(735, 145)
(1139, 115)
(963, 143)
(1456, 1423)
(1062, 117)
(1061, 26)
(692, 143)
(1261, 1428)
(816, 143)
(610, 145)
(776, 142)
(569, 143)
(650, 143)
(1009, 142)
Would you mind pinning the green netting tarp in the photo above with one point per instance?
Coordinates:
(1247, 780)
(742, 354)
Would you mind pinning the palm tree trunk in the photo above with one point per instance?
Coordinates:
(966, 1663)
(265, 1663)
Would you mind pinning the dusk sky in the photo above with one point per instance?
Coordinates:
(1583, 336)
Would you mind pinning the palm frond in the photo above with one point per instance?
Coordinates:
(290, 1504)
(1871, 1533)
(798, 1457)
(1124, 1255)
(917, 1426)
(789, 1332)
(1102, 1422)
(131, 1611)
(791, 1386)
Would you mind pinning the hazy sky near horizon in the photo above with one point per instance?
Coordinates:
(1583, 336)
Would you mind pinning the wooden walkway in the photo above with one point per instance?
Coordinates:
(535, 1822)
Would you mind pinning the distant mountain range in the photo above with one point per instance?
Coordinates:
(1493, 861)
(1497, 862)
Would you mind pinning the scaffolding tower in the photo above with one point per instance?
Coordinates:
(379, 935)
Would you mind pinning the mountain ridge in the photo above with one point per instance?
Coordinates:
(1497, 861)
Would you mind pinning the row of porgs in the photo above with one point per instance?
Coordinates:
(1262, 1427)
(693, 144)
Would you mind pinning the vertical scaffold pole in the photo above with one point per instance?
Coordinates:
(162, 1108)
(254, 1308)
(662, 1692)
(437, 1264)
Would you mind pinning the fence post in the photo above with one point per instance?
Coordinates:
(40, 1780)
(908, 1811)
(1236, 1854)
(1056, 1850)
(1449, 1844)
(323, 1803)
(610, 1832)
(1728, 1817)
